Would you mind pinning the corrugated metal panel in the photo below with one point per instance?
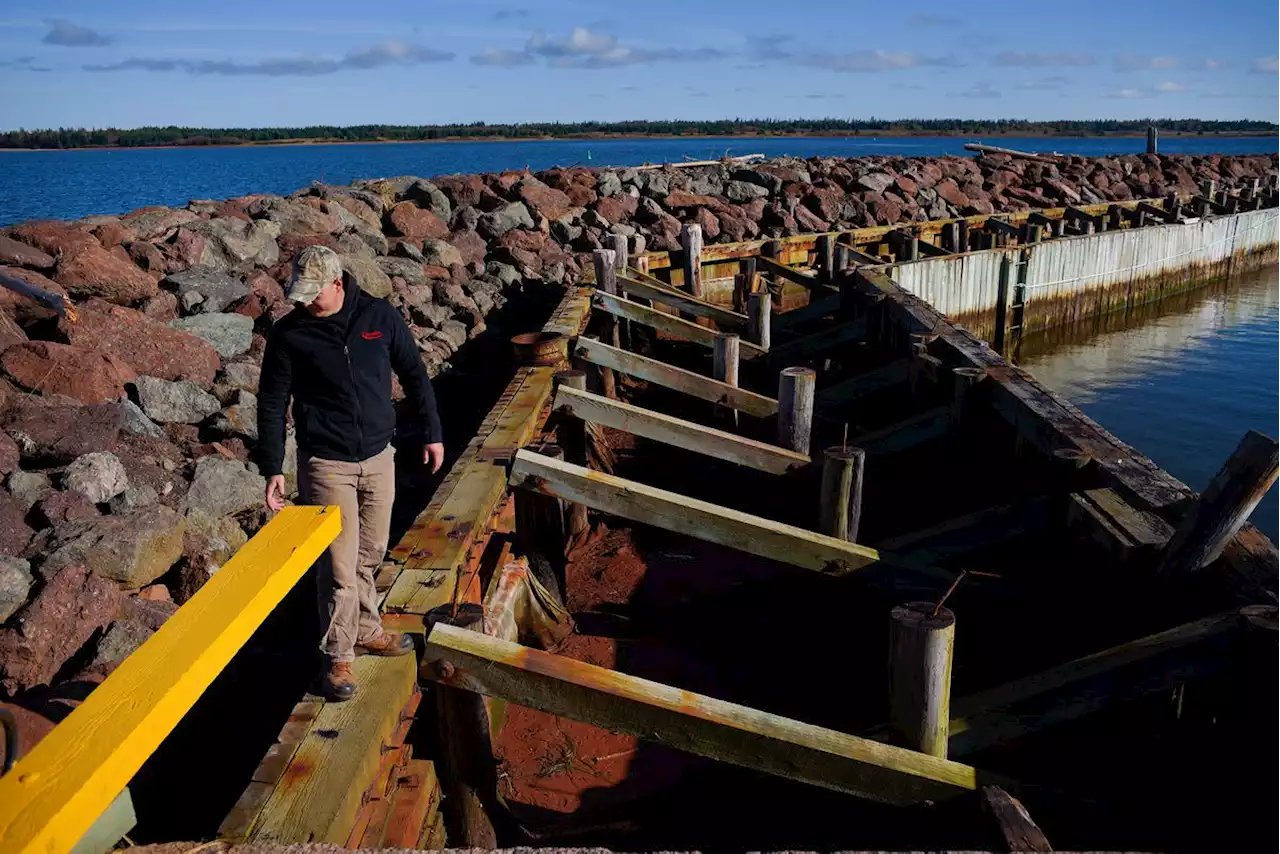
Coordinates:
(1064, 268)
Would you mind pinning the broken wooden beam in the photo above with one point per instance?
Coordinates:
(669, 430)
(1224, 506)
(1020, 833)
(695, 723)
(699, 519)
(669, 376)
(668, 323)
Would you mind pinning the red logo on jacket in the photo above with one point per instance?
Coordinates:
(371, 336)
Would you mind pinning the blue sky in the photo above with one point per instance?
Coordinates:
(279, 62)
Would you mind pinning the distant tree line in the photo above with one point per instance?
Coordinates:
(187, 136)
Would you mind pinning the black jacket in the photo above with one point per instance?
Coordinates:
(338, 370)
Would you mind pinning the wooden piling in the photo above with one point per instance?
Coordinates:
(724, 367)
(921, 644)
(908, 246)
(842, 259)
(1224, 506)
(826, 257)
(607, 281)
(759, 312)
(621, 260)
(1153, 139)
(469, 772)
(1115, 216)
(691, 242)
(540, 522)
(964, 381)
(795, 407)
(840, 504)
(571, 436)
(962, 235)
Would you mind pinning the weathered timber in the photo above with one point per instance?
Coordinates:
(724, 365)
(825, 261)
(999, 226)
(691, 243)
(921, 646)
(971, 531)
(795, 407)
(835, 335)
(759, 310)
(769, 265)
(699, 519)
(607, 282)
(676, 299)
(540, 525)
(1224, 506)
(819, 308)
(678, 433)
(679, 379)
(982, 148)
(667, 323)
(914, 430)
(56, 792)
(571, 435)
(873, 381)
(840, 501)
(691, 722)
(1020, 833)
(344, 743)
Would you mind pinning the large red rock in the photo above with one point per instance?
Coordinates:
(807, 220)
(684, 199)
(32, 727)
(21, 255)
(10, 456)
(15, 533)
(470, 245)
(358, 209)
(522, 238)
(91, 271)
(546, 201)
(949, 190)
(113, 234)
(10, 332)
(184, 251)
(54, 238)
(825, 202)
(24, 309)
(55, 434)
(616, 208)
(147, 257)
(410, 221)
(156, 222)
(148, 346)
(88, 376)
(53, 626)
(710, 223)
(462, 190)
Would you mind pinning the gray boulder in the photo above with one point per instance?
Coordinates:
(98, 476)
(367, 275)
(876, 182)
(772, 183)
(241, 418)
(205, 290)
(439, 253)
(509, 216)
(28, 487)
(231, 244)
(132, 550)
(428, 195)
(455, 332)
(742, 191)
(133, 498)
(181, 402)
(353, 244)
(609, 184)
(229, 334)
(222, 487)
(119, 642)
(409, 270)
(136, 422)
(465, 218)
(375, 240)
(242, 375)
(15, 583)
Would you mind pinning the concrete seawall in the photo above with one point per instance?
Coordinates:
(1067, 279)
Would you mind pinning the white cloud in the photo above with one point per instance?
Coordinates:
(66, 34)
(371, 56)
(1044, 83)
(1126, 94)
(1170, 86)
(586, 48)
(869, 61)
(1145, 63)
(1264, 65)
(503, 58)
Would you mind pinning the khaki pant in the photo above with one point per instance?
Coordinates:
(347, 598)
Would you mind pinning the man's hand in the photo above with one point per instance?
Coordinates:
(275, 492)
(433, 456)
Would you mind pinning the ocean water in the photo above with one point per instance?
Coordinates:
(1181, 384)
(72, 184)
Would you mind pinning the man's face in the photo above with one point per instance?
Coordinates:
(329, 300)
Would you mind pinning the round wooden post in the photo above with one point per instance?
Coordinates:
(921, 645)
(469, 774)
(965, 379)
(842, 258)
(691, 243)
(759, 313)
(571, 435)
(840, 504)
(826, 257)
(962, 235)
(724, 367)
(540, 522)
(607, 281)
(795, 407)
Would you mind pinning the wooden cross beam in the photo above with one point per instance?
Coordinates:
(669, 376)
(999, 225)
(819, 307)
(700, 519)
(639, 421)
(868, 383)
(645, 289)
(668, 323)
(695, 723)
(768, 264)
(836, 335)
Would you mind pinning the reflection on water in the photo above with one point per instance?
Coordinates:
(1181, 381)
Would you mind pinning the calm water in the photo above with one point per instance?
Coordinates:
(71, 184)
(1182, 384)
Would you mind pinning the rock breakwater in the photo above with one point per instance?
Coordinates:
(126, 433)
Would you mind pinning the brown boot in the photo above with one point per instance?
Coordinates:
(337, 682)
(387, 643)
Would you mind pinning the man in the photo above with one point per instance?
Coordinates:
(334, 354)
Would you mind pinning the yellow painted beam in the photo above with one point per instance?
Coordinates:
(55, 793)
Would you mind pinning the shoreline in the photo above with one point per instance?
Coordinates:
(288, 143)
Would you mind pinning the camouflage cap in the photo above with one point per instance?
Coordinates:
(315, 268)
